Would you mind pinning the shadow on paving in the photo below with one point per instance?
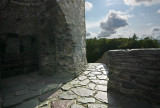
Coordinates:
(118, 100)
(88, 90)
(30, 89)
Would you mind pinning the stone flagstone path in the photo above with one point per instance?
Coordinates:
(89, 90)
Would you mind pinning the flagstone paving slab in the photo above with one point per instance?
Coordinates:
(62, 103)
(101, 88)
(102, 96)
(76, 81)
(83, 91)
(85, 82)
(96, 73)
(86, 100)
(68, 95)
(82, 78)
(102, 77)
(86, 72)
(97, 106)
(90, 75)
(91, 86)
(66, 86)
(77, 106)
(101, 82)
(92, 78)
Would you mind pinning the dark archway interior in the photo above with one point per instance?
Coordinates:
(18, 54)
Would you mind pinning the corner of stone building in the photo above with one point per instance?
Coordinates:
(75, 20)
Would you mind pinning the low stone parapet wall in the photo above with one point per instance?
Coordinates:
(135, 72)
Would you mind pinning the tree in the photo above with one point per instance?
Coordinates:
(97, 47)
(134, 37)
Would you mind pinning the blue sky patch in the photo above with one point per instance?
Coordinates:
(122, 18)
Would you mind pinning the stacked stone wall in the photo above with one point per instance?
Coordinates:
(135, 72)
(58, 26)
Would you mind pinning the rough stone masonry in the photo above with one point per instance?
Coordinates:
(135, 72)
(44, 35)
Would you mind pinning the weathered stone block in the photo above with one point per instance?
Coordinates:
(135, 72)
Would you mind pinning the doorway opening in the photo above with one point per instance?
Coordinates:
(18, 54)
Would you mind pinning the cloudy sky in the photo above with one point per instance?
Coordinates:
(122, 18)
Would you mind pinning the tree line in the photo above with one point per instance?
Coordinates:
(97, 47)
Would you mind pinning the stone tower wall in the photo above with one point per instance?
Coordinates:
(48, 34)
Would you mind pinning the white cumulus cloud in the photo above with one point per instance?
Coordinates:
(114, 21)
(90, 35)
(141, 2)
(88, 6)
(154, 32)
(149, 24)
(110, 2)
(155, 29)
(91, 24)
(158, 11)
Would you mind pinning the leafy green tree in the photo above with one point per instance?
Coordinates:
(135, 37)
(97, 47)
